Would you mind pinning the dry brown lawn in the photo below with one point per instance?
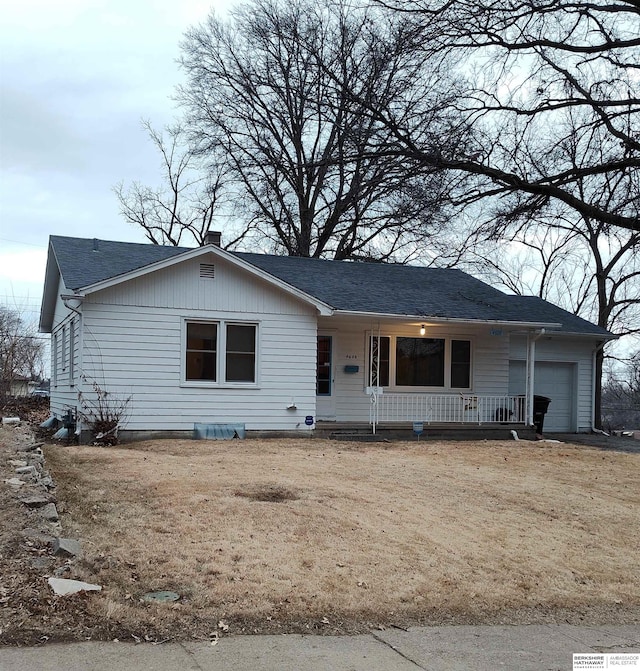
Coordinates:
(299, 535)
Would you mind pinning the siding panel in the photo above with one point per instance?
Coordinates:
(64, 379)
(181, 287)
(137, 351)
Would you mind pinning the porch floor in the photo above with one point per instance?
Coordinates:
(404, 431)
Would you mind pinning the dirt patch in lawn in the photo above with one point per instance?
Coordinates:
(329, 537)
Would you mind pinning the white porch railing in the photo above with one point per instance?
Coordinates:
(451, 408)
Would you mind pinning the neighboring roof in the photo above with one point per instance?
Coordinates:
(353, 287)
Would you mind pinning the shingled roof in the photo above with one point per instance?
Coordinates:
(355, 287)
(87, 261)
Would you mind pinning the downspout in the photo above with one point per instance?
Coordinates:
(531, 361)
(593, 384)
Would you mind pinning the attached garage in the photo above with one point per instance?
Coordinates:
(555, 380)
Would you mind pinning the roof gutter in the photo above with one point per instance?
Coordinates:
(448, 320)
(79, 298)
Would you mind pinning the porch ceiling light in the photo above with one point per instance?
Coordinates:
(422, 330)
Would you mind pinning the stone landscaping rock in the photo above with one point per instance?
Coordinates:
(37, 500)
(47, 481)
(15, 482)
(66, 547)
(26, 470)
(65, 587)
(50, 512)
(17, 463)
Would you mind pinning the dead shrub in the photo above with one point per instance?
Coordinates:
(104, 412)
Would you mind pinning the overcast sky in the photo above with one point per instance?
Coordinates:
(76, 78)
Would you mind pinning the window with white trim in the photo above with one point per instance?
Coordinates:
(323, 365)
(72, 347)
(54, 360)
(220, 352)
(410, 362)
(420, 362)
(379, 356)
(240, 363)
(202, 352)
(461, 364)
(63, 350)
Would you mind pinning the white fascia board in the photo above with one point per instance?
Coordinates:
(448, 320)
(322, 308)
(49, 292)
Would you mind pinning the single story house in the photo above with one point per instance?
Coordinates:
(275, 343)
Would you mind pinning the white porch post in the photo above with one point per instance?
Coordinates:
(531, 358)
(374, 375)
(531, 366)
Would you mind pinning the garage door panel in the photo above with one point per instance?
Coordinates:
(554, 380)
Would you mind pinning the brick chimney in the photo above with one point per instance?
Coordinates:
(212, 238)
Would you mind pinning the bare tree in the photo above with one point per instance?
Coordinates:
(552, 96)
(283, 89)
(191, 194)
(21, 350)
(581, 266)
(621, 396)
(524, 63)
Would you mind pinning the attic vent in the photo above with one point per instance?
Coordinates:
(207, 271)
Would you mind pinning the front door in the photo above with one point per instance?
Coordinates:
(325, 397)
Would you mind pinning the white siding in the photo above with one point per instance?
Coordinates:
(562, 349)
(136, 349)
(180, 287)
(64, 392)
(490, 360)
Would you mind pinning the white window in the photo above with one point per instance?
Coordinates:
(72, 347)
(408, 362)
(54, 360)
(202, 352)
(220, 352)
(240, 360)
(63, 349)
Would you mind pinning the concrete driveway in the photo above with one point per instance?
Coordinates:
(617, 443)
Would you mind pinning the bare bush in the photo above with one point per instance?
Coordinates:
(104, 412)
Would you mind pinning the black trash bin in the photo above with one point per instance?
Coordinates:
(540, 407)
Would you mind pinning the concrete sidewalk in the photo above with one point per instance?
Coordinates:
(459, 648)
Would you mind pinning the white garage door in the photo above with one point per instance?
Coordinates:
(554, 380)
